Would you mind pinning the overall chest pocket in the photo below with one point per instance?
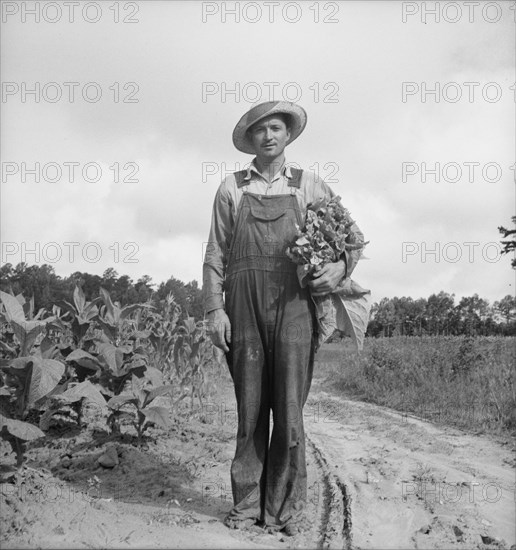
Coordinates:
(275, 227)
(266, 213)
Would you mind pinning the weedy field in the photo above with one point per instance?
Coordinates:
(467, 382)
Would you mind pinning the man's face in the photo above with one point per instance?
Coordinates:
(269, 137)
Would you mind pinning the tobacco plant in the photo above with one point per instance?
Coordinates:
(27, 378)
(139, 396)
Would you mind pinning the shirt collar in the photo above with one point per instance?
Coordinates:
(284, 170)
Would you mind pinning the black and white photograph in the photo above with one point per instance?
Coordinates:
(257, 279)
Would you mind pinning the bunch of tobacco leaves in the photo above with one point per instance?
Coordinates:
(326, 234)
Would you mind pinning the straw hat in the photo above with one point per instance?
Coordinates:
(297, 116)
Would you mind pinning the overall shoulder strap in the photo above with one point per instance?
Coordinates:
(295, 180)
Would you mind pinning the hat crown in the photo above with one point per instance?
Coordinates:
(259, 110)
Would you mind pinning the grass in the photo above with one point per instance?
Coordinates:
(461, 381)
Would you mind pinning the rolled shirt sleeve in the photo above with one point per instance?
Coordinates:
(217, 247)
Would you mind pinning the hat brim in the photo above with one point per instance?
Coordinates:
(297, 115)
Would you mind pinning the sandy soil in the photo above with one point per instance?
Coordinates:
(377, 479)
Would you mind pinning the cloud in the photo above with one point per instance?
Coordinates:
(367, 133)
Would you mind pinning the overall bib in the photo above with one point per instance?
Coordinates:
(270, 358)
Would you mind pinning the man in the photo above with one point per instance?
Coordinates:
(267, 326)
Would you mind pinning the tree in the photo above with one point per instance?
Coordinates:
(473, 312)
(509, 245)
(6, 273)
(507, 308)
(124, 291)
(439, 312)
(41, 282)
(90, 284)
(109, 278)
(144, 288)
(413, 313)
(386, 316)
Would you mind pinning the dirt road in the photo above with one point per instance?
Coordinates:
(377, 479)
(411, 484)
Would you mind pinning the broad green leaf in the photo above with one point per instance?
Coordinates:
(177, 348)
(21, 367)
(84, 390)
(51, 396)
(84, 359)
(22, 430)
(28, 306)
(46, 374)
(91, 310)
(67, 306)
(104, 391)
(111, 314)
(46, 417)
(79, 328)
(18, 363)
(190, 324)
(125, 348)
(158, 415)
(108, 329)
(129, 368)
(127, 310)
(137, 361)
(47, 347)
(39, 377)
(137, 385)
(154, 375)
(156, 392)
(13, 308)
(119, 400)
(113, 357)
(353, 310)
(26, 332)
(79, 299)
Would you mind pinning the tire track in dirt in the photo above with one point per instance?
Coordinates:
(335, 524)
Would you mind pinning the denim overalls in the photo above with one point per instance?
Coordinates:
(270, 358)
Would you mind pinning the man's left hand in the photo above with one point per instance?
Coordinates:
(327, 278)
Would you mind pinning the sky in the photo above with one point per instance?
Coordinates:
(124, 112)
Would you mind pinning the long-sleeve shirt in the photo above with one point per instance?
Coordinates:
(225, 207)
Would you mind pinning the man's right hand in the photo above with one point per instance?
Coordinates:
(219, 329)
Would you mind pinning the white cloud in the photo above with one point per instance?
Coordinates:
(170, 132)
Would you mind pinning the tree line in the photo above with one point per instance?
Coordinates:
(436, 315)
(49, 289)
(439, 315)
